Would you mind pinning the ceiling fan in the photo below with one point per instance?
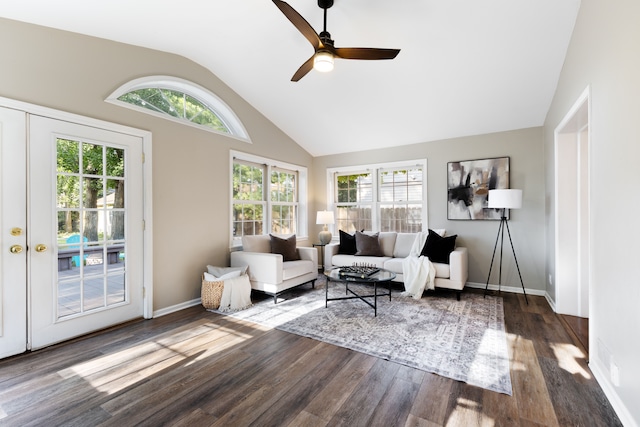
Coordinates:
(325, 52)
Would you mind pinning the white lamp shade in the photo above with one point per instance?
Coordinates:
(324, 217)
(508, 198)
(323, 61)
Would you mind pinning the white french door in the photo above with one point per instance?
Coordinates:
(13, 220)
(86, 229)
(73, 204)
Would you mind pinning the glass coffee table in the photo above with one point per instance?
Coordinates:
(381, 276)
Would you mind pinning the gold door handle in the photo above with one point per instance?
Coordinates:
(41, 248)
(15, 249)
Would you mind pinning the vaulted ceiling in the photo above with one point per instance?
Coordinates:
(466, 67)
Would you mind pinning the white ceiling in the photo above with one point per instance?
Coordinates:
(466, 67)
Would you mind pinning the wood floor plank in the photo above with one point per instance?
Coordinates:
(306, 419)
(395, 406)
(337, 390)
(359, 407)
(529, 386)
(465, 406)
(432, 399)
(502, 409)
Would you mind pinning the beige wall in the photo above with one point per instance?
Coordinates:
(75, 73)
(525, 149)
(604, 54)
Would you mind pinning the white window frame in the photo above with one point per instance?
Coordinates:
(375, 169)
(208, 98)
(302, 231)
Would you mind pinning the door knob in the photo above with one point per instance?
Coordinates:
(41, 248)
(15, 249)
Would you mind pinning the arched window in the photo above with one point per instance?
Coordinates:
(179, 100)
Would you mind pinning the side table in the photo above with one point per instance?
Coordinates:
(321, 245)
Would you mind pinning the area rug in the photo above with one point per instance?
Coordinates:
(464, 340)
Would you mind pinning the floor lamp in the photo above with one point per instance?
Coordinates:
(504, 199)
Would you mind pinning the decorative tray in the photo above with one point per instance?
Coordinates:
(358, 271)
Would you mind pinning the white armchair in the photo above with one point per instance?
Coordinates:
(268, 272)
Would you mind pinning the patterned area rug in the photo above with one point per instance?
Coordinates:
(463, 340)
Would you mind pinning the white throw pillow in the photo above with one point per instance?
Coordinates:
(230, 275)
(404, 243)
(219, 271)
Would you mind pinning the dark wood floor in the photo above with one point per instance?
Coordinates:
(198, 368)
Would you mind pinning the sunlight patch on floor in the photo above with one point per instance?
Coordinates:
(516, 365)
(114, 372)
(466, 413)
(568, 356)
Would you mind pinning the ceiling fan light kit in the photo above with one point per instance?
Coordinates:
(325, 52)
(323, 61)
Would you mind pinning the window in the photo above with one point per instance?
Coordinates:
(179, 100)
(267, 197)
(380, 197)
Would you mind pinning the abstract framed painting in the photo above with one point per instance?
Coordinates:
(468, 185)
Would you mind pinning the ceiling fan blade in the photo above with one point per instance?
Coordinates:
(303, 70)
(365, 53)
(300, 23)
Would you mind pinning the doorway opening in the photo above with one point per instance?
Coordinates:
(572, 217)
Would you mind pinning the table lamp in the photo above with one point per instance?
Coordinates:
(324, 218)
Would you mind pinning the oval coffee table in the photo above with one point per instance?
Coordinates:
(382, 276)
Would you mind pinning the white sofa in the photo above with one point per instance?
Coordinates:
(395, 247)
(268, 272)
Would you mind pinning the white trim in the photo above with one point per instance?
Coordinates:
(609, 391)
(503, 288)
(558, 131)
(177, 307)
(208, 98)
(146, 146)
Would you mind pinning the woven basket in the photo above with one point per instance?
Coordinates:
(211, 293)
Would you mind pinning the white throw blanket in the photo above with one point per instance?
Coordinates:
(418, 272)
(236, 294)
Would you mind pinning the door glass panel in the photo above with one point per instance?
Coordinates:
(91, 227)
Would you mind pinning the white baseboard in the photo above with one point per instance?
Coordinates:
(609, 390)
(550, 301)
(177, 307)
(504, 288)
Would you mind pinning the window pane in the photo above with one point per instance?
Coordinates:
(68, 191)
(115, 225)
(283, 219)
(115, 195)
(401, 218)
(247, 182)
(352, 218)
(283, 187)
(354, 188)
(248, 219)
(115, 162)
(176, 104)
(92, 159)
(68, 156)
